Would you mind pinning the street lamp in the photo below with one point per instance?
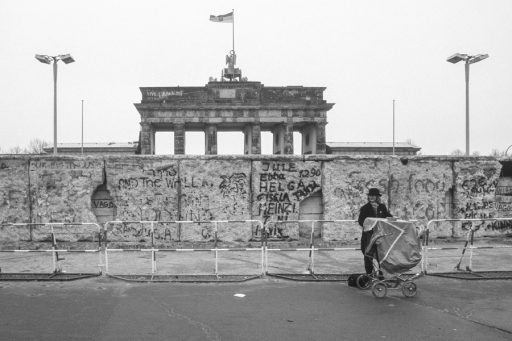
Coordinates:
(506, 151)
(66, 58)
(469, 60)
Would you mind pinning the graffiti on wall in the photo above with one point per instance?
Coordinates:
(280, 187)
(425, 198)
(476, 194)
(209, 201)
(143, 232)
(61, 188)
(503, 203)
(145, 193)
(409, 197)
(162, 193)
(353, 192)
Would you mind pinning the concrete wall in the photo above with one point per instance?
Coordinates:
(265, 188)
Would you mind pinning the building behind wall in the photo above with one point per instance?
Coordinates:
(371, 148)
(95, 148)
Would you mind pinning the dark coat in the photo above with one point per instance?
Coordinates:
(367, 211)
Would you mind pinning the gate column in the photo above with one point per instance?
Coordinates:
(320, 138)
(288, 137)
(210, 140)
(145, 138)
(179, 138)
(252, 138)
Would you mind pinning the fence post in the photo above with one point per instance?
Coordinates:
(311, 263)
(55, 255)
(153, 254)
(106, 246)
(216, 252)
(470, 266)
(424, 261)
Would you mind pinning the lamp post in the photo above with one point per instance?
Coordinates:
(468, 60)
(66, 58)
(393, 127)
(506, 151)
(82, 147)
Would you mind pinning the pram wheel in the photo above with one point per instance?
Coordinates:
(409, 289)
(379, 289)
(363, 282)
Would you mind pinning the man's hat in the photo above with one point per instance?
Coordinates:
(374, 191)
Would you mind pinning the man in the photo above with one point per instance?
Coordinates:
(372, 209)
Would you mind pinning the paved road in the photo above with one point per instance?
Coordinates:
(272, 309)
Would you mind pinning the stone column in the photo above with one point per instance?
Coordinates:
(210, 140)
(309, 139)
(252, 139)
(320, 138)
(145, 138)
(179, 138)
(278, 139)
(256, 139)
(247, 140)
(152, 139)
(288, 137)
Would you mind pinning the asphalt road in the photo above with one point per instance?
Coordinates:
(268, 309)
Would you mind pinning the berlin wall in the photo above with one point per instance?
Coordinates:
(42, 189)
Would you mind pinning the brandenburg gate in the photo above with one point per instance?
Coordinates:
(235, 105)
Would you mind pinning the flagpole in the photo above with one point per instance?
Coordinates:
(393, 127)
(233, 30)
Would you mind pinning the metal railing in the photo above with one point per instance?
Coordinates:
(153, 250)
(55, 250)
(311, 259)
(51, 234)
(467, 245)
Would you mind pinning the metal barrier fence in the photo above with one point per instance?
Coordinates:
(52, 234)
(154, 250)
(467, 245)
(311, 260)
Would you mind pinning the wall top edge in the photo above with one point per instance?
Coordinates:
(296, 158)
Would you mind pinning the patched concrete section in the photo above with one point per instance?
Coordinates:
(14, 197)
(14, 201)
(278, 188)
(476, 195)
(504, 197)
(215, 190)
(345, 188)
(143, 189)
(422, 190)
(60, 191)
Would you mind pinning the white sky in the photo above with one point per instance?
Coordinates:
(366, 53)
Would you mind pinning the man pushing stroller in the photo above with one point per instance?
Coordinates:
(374, 208)
(394, 246)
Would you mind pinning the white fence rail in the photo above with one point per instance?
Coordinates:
(153, 250)
(52, 234)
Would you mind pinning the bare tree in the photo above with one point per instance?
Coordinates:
(16, 150)
(457, 152)
(497, 153)
(36, 146)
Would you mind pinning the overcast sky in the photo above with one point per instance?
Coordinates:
(366, 53)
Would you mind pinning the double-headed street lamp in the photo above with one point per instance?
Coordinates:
(506, 151)
(66, 58)
(469, 60)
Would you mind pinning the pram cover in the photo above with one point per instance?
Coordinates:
(394, 243)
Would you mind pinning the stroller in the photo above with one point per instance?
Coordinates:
(395, 247)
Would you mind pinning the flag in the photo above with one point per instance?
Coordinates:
(225, 18)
